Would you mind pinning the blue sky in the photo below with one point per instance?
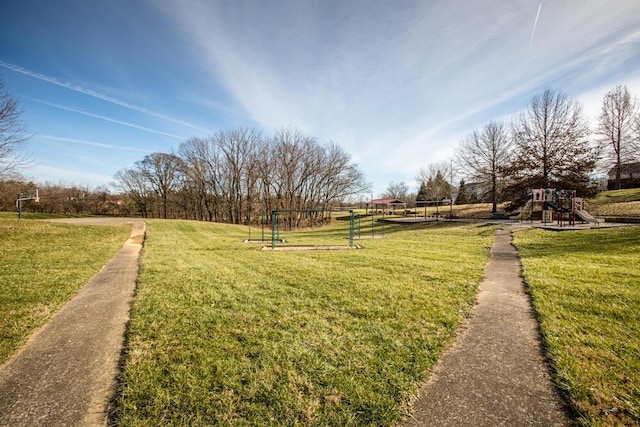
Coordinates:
(397, 84)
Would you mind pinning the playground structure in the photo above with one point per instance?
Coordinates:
(561, 206)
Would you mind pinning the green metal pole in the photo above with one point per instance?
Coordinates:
(372, 232)
(273, 230)
(351, 231)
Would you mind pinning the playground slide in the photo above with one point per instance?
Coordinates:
(586, 216)
(524, 212)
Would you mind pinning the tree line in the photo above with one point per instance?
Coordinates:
(238, 176)
(550, 144)
(60, 198)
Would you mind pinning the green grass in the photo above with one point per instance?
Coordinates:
(42, 266)
(39, 215)
(586, 290)
(616, 203)
(225, 334)
(617, 196)
(621, 209)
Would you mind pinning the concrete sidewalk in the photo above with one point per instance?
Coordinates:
(494, 374)
(66, 374)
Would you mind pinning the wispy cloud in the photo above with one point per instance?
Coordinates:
(105, 118)
(97, 95)
(398, 84)
(88, 143)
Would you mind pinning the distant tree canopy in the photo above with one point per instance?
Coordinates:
(58, 198)
(481, 155)
(463, 197)
(13, 135)
(433, 182)
(422, 192)
(548, 145)
(618, 129)
(397, 190)
(237, 175)
(551, 147)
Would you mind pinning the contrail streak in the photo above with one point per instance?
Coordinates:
(97, 95)
(535, 24)
(105, 118)
(90, 143)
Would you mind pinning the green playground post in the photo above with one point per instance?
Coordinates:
(351, 228)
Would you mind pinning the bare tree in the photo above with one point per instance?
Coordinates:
(13, 134)
(636, 131)
(397, 190)
(551, 146)
(161, 171)
(133, 184)
(224, 177)
(618, 117)
(236, 176)
(482, 155)
(199, 161)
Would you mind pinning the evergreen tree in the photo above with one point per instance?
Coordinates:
(422, 192)
(438, 188)
(463, 197)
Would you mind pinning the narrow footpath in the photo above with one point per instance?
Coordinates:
(495, 373)
(66, 374)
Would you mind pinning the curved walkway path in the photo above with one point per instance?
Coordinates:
(495, 373)
(66, 374)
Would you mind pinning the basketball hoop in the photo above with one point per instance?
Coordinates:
(27, 195)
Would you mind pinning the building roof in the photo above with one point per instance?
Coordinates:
(626, 168)
(385, 202)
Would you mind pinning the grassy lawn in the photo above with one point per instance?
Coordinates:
(586, 290)
(225, 334)
(617, 203)
(39, 215)
(42, 265)
(617, 196)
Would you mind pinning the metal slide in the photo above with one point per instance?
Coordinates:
(586, 216)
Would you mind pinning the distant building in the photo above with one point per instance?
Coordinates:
(474, 191)
(629, 176)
